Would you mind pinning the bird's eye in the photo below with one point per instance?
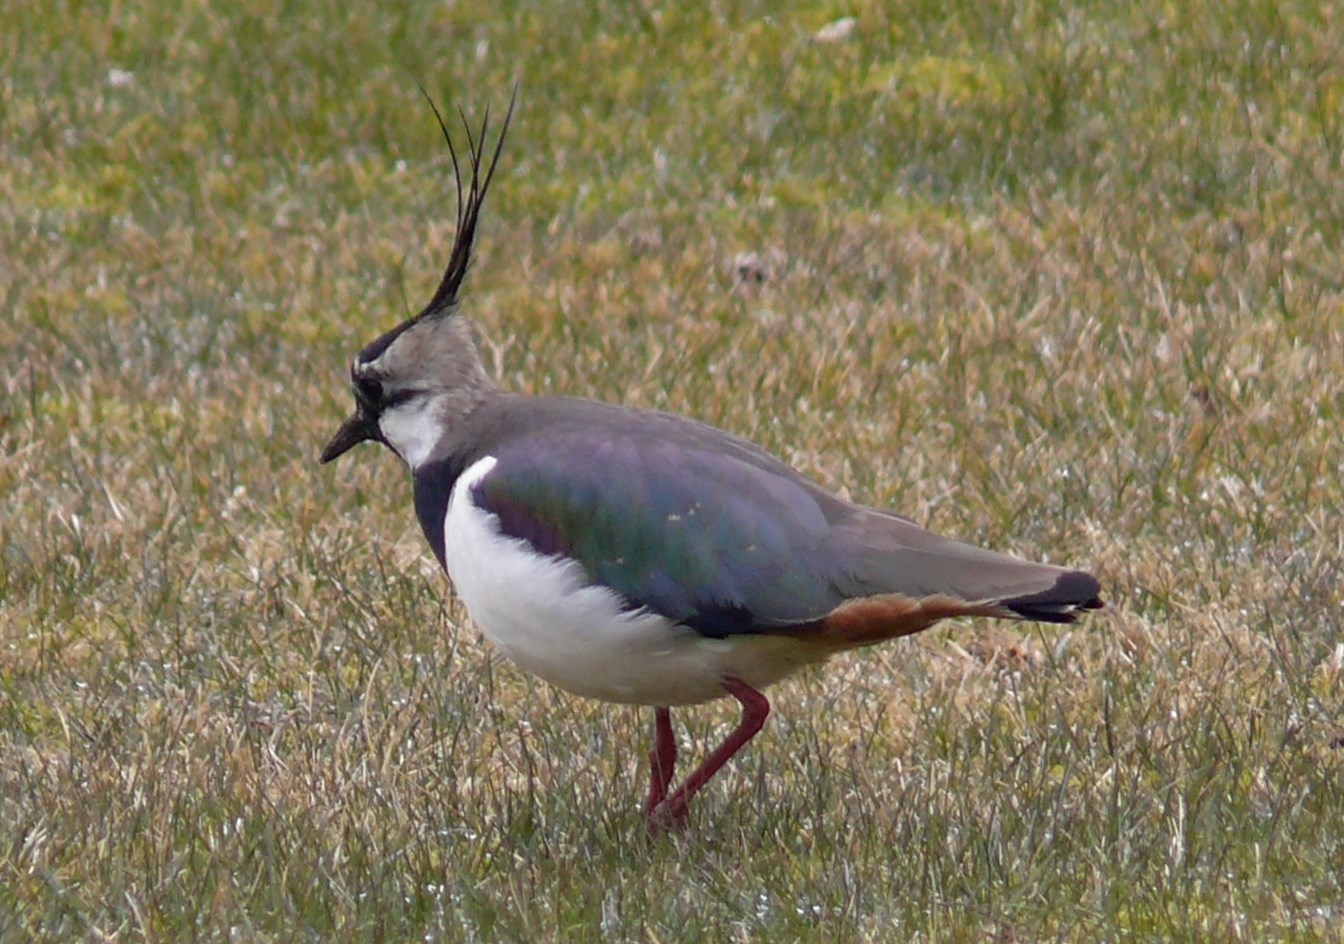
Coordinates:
(368, 390)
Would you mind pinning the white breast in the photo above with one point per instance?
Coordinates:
(543, 612)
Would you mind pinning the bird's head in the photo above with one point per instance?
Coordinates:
(415, 380)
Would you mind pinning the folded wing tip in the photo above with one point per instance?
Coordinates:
(1072, 591)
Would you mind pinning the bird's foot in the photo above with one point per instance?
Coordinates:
(667, 817)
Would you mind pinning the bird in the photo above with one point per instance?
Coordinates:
(641, 557)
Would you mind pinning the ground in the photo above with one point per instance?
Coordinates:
(1063, 279)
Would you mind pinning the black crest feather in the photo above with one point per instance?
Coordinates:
(469, 201)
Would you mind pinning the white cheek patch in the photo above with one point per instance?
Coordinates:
(412, 429)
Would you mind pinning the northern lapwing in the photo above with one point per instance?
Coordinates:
(645, 558)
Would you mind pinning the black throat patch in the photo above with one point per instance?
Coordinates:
(433, 483)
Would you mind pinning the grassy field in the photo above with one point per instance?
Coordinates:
(1064, 279)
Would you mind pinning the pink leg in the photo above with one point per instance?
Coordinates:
(755, 709)
(662, 759)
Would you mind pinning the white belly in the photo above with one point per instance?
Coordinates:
(542, 612)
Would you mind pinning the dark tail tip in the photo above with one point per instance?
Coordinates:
(1074, 590)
